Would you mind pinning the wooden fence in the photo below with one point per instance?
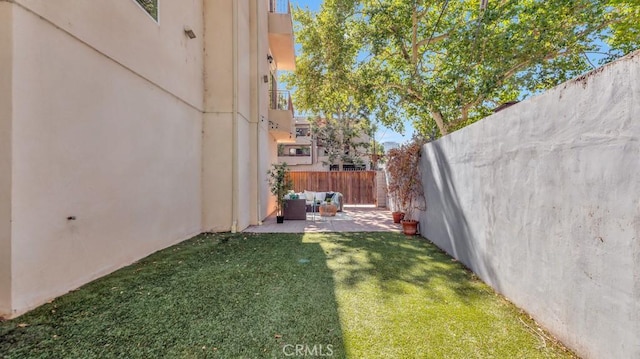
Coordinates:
(357, 187)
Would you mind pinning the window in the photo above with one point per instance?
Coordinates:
(303, 132)
(294, 151)
(150, 6)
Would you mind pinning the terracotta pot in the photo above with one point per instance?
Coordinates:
(328, 210)
(410, 227)
(397, 216)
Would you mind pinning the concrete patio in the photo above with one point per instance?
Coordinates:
(354, 218)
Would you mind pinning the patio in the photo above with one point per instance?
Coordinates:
(354, 218)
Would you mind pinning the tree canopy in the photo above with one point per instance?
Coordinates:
(151, 6)
(342, 138)
(445, 64)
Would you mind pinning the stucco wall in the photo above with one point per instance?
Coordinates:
(235, 104)
(245, 179)
(260, 147)
(541, 201)
(216, 172)
(102, 136)
(381, 189)
(6, 75)
(143, 136)
(122, 31)
(217, 161)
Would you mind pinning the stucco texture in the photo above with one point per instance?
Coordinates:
(120, 135)
(6, 114)
(98, 142)
(541, 201)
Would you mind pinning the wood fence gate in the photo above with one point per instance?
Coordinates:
(357, 187)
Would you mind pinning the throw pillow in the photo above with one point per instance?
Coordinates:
(309, 196)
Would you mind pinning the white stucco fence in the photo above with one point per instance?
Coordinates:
(542, 201)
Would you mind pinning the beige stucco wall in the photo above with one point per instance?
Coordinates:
(236, 100)
(260, 149)
(245, 180)
(122, 31)
(94, 138)
(217, 135)
(129, 127)
(216, 172)
(6, 57)
(245, 176)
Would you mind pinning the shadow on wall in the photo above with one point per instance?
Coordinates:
(445, 220)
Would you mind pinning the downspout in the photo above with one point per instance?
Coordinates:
(234, 118)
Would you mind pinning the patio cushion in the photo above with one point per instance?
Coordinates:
(309, 196)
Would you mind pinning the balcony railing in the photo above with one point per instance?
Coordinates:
(296, 155)
(279, 6)
(280, 100)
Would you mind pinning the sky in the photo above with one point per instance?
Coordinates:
(384, 134)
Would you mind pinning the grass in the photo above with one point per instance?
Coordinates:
(358, 295)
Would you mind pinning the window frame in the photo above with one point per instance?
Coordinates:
(156, 20)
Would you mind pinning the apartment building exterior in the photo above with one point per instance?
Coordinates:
(124, 131)
(307, 153)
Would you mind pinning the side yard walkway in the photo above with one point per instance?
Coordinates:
(354, 218)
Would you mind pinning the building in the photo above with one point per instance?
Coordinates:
(307, 153)
(127, 126)
(389, 145)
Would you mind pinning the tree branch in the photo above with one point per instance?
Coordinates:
(434, 39)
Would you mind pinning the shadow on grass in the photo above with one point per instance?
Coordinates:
(393, 259)
(216, 295)
(367, 295)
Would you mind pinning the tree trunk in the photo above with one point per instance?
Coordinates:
(440, 122)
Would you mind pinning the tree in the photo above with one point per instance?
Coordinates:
(279, 184)
(405, 182)
(151, 6)
(325, 79)
(338, 136)
(445, 64)
(376, 150)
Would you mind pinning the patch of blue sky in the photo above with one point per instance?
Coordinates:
(385, 134)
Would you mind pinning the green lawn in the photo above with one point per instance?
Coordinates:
(357, 295)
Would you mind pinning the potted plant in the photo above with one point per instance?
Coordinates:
(405, 182)
(279, 185)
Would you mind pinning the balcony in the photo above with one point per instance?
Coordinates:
(281, 40)
(281, 125)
